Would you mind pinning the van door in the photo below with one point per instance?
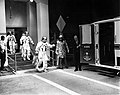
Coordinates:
(106, 43)
(87, 49)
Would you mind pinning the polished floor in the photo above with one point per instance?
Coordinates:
(89, 81)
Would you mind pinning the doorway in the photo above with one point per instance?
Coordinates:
(106, 43)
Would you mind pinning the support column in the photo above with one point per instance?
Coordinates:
(32, 21)
(3, 24)
(42, 19)
(2, 17)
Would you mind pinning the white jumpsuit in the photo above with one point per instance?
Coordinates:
(21, 46)
(11, 40)
(41, 49)
(27, 40)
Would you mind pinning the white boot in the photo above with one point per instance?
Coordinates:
(28, 58)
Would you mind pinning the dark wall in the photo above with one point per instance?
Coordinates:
(105, 9)
(16, 14)
(84, 11)
(78, 12)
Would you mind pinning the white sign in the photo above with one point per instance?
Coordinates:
(60, 23)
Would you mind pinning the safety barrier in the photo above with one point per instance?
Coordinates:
(14, 61)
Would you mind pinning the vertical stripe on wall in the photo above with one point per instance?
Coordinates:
(2, 17)
(32, 21)
(42, 20)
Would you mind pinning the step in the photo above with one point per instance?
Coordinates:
(18, 57)
(22, 65)
(25, 67)
(30, 66)
(19, 63)
(7, 71)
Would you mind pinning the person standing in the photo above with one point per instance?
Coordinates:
(41, 50)
(26, 45)
(2, 52)
(61, 50)
(77, 53)
(21, 44)
(11, 42)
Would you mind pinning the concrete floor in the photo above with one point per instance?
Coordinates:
(60, 82)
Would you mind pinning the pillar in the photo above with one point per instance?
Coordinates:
(32, 21)
(42, 19)
(3, 23)
(2, 17)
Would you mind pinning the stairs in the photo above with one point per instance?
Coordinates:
(20, 63)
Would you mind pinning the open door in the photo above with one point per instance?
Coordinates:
(87, 49)
(106, 43)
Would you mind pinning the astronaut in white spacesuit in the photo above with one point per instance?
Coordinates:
(27, 40)
(21, 44)
(41, 50)
(11, 42)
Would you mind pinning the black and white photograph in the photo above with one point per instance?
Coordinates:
(59, 47)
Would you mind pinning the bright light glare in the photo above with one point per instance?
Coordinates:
(31, 0)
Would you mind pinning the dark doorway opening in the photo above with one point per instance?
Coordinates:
(106, 43)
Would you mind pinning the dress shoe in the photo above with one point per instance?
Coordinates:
(75, 70)
(66, 67)
(80, 69)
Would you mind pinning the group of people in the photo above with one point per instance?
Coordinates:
(61, 51)
(9, 44)
(40, 57)
(4, 42)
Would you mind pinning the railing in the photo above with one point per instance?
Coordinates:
(53, 60)
(51, 57)
(13, 60)
(14, 69)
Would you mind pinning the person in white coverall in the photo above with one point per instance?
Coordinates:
(11, 42)
(27, 40)
(21, 44)
(41, 50)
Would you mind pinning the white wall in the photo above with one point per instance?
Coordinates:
(42, 19)
(32, 21)
(2, 17)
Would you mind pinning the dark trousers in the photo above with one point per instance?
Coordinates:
(77, 62)
(63, 63)
(78, 66)
(3, 57)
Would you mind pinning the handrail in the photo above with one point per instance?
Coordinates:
(53, 60)
(13, 70)
(8, 49)
(14, 60)
(11, 58)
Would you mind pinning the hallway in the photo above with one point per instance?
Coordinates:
(60, 82)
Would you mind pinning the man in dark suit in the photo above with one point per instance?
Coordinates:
(77, 53)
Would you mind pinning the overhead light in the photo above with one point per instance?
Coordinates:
(31, 0)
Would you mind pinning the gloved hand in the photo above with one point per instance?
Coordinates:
(53, 45)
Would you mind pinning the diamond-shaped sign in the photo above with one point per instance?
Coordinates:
(60, 23)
